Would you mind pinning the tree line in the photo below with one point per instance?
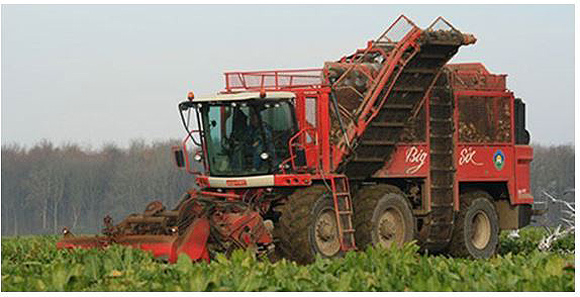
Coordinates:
(552, 171)
(47, 187)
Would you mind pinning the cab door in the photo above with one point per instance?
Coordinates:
(313, 122)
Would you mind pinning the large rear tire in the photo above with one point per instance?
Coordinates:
(476, 230)
(307, 226)
(382, 216)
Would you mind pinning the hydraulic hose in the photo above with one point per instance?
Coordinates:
(335, 104)
(185, 123)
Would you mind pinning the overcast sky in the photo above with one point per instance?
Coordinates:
(95, 74)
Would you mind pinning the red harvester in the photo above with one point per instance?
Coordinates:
(386, 145)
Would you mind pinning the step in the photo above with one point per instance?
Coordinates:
(388, 124)
(342, 194)
(397, 106)
(378, 142)
(368, 160)
(409, 89)
(432, 56)
(447, 104)
(441, 135)
(344, 212)
(436, 152)
(420, 70)
(445, 120)
(449, 42)
(348, 231)
(450, 169)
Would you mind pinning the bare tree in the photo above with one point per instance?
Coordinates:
(563, 229)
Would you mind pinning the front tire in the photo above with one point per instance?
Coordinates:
(476, 231)
(307, 226)
(382, 217)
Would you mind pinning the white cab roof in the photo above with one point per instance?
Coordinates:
(243, 96)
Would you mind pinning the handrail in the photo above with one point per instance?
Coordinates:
(273, 79)
(291, 147)
(185, 154)
(471, 80)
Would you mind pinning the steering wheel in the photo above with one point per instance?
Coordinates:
(225, 142)
(278, 139)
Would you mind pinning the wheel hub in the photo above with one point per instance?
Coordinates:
(481, 230)
(326, 233)
(325, 229)
(391, 228)
(387, 229)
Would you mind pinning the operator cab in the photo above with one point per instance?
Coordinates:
(243, 134)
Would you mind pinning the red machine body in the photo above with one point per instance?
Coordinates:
(475, 160)
(423, 147)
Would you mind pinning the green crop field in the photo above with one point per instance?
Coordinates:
(33, 264)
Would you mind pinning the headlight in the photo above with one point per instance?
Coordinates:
(264, 156)
(197, 157)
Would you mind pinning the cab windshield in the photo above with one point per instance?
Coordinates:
(247, 138)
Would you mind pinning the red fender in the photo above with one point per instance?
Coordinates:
(193, 242)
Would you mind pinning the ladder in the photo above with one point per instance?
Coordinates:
(439, 226)
(343, 210)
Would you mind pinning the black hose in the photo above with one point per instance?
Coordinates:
(185, 123)
(335, 104)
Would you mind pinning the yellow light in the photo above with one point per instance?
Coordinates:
(190, 96)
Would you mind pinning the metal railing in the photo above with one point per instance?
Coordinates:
(273, 80)
(478, 81)
(298, 141)
(187, 161)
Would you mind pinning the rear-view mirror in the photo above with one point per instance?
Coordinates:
(178, 156)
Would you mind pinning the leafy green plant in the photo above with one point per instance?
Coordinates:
(34, 264)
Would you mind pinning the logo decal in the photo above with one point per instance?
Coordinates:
(467, 156)
(498, 160)
(416, 157)
(236, 182)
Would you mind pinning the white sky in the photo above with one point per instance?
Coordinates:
(93, 74)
